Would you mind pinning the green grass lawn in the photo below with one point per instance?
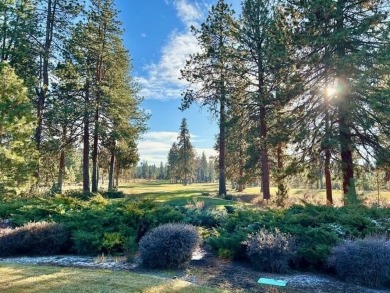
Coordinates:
(175, 194)
(178, 194)
(16, 278)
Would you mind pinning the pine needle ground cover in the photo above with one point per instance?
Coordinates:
(45, 279)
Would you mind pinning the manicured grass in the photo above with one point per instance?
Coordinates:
(178, 194)
(175, 194)
(16, 278)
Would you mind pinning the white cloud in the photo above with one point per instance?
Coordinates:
(209, 152)
(143, 35)
(188, 13)
(161, 136)
(163, 78)
(155, 146)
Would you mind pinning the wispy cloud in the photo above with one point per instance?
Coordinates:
(156, 145)
(189, 13)
(209, 152)
(163, 78)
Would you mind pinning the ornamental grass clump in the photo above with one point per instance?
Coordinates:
(169, 246)
(271, 251)
(363, 261)
(41, 238)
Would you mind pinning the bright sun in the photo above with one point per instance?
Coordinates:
(331, 91)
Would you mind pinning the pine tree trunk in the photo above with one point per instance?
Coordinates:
(86, 144)
(61, 171)
(117, 171)
(241, 172)
(345, 138)
(95, 183)
(221, 163)
(265, 177)
(111, 172)
(279, 155)
(328, 179)
(349, 191)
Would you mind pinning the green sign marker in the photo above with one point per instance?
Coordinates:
(273, 282)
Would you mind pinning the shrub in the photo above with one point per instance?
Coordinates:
(114, 194)
(169, 246)
(206, 217)
(271, 251)
(39, 238)
(229, 245)
(79, 194)
(363, 261)
(87, 243)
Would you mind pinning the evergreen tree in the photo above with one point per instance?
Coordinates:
(161, 173)
(263, 39)
(186, 153)
(17, 150)
(210, 72)
(342, 44)
(173, 163)
(203, 168)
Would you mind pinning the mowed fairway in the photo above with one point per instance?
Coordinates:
(178, 194)
(47, 279)
(175, 194)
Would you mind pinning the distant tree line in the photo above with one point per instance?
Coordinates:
(183, 165)
(298, 87)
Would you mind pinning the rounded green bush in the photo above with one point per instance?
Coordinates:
(363, 261)
(169, 246)
(271, 251)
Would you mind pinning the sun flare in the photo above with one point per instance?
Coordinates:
(331, 91)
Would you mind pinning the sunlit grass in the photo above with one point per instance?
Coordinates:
(175, 194)
(178, 194)
(17, 278)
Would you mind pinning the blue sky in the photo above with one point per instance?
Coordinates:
(158, 37)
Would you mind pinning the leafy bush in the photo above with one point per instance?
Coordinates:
(271, 251)
(79, 194)
(316, 229)
(169, 246)
(363, 261)
(86, 242)
(40, 238)
(206, 217)
(229, 245)
(114, 194)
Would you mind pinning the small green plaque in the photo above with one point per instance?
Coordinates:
(273, 282)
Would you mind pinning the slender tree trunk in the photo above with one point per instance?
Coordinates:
(345, 138)
(86, 144)
(349, 191)
(221, 163)
(279, 155)
(111, 172)
(117, 171)
(95, 183)
(4, 36)
(241, 172)
(265, 176)
(328, 179)
(42, 91)
(61, 171)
